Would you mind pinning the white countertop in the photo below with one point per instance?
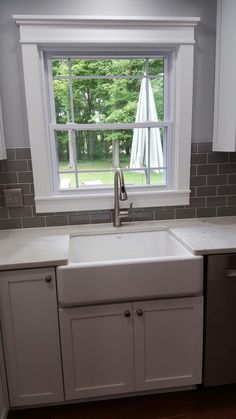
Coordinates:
(38, 247)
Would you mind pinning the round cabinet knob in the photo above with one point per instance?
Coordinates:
(127, 313)
(139, 312)
(48, 279)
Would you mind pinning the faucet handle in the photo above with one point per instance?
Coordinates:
(131, 210)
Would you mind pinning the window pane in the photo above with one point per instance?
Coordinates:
(60, 67)
(62, 142)
(92, 156)
(110, 100)
(62, 101)
(67, 181)
(108, 67)
(141, 177)
(156, 109)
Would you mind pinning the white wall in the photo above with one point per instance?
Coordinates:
(11, 77)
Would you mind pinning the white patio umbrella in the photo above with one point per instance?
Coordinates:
(146, 111)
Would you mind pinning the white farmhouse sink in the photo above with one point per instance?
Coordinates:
(127, 266)
(126, 246)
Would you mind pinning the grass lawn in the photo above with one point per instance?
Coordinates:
(107, 178)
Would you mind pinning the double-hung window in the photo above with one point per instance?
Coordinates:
(107, 113)
(104, 93)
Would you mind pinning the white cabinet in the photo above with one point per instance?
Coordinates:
(97, 350)
(168, 343)
(3, 154)
(139, 346)
(4, 402)
(31, 336)
(224, 138)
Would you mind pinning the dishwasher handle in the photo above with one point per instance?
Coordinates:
(230, 273)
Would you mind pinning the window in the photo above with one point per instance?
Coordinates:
(104, 93)
(108, 113)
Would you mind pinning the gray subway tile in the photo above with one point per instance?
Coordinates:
(206, 191)
(204, 147)
(206, 212)
(8, 178)
(227, 168)
(226, 211)
(193, 147)
(218, 157)
(10, 223)
(57, 220)
(100, 217)
(11, 154)
(164, 214)
(29, 200)
(199, 158)
(143, 215)
(25, 177)
(23, 153)
(232, 179)
(82, 218)
(31, 186)
(30, 168)
(3, 212)
(231, 200)
(193, 170)
(33, 222)
(216, 201)
(197, 202)
(227, 190)
(20, 212)
(193, 191)
(232, 157)
(217, 180)
(207, 169)
(17, 166)
(185, 212)
(198, 181)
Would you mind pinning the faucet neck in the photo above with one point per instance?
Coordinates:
(120, 194)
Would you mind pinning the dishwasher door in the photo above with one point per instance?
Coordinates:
(220, 321)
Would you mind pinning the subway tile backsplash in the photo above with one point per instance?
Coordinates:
(213, 192)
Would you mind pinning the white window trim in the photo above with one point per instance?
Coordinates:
(38, 33)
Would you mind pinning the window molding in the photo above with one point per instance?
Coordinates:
(48, 33)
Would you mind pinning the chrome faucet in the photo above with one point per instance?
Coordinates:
(120, 194)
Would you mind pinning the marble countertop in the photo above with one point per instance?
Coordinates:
(40, 247)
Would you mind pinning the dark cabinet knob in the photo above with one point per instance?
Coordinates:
(139, 312)
(48, 279)
(127, 313)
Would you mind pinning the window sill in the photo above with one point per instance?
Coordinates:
(61, 203)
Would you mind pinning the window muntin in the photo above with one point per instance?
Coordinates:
(94, 120)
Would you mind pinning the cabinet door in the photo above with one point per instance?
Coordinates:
(31, 336)
(4, 403)
(225, 77)
(168, 343)
(97, 350)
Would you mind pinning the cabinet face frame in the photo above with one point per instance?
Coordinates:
(30, 340)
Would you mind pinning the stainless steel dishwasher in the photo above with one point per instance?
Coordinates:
(220, 321)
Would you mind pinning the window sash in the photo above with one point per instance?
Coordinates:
(115, 153)
(54, 126)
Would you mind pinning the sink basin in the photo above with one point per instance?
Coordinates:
(124, 247)
(127, 266)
